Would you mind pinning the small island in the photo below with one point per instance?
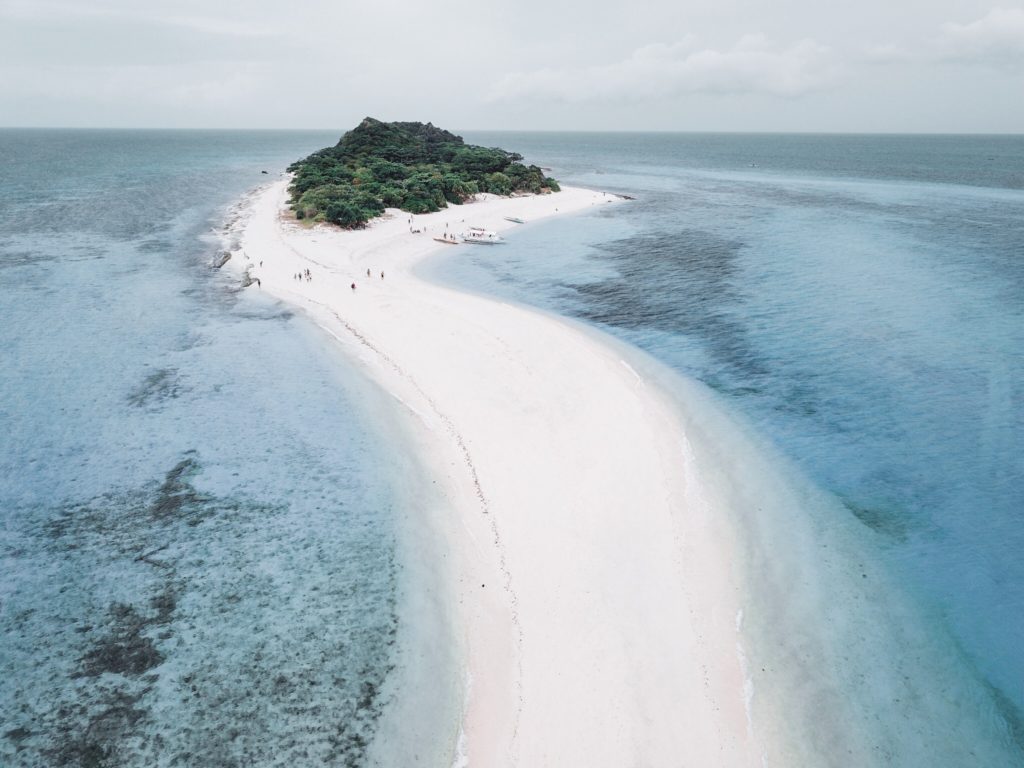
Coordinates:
(416, 167)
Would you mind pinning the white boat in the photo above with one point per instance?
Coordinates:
(481, 236)
(515, 219)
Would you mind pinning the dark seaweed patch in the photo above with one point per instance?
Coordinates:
(702, 265)
(24, 258)
(198, 630)
(80, 753)
(349, 741)
(164, 605)
(1011, 715)
(97, 745)
(177, 497)
(883, 521)
(126, 650)
(157, 387)
(153, 246)
(136, 523)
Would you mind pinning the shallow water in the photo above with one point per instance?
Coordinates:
(202, 504)
(860, 301)
(204, 508)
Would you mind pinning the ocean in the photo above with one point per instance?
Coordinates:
(210, 551)
(858, 300)
(203, 505)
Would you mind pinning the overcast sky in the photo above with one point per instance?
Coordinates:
(690, 65)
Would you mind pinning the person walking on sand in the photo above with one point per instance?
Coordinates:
(353, 286)
(367, 271)
(382, 274)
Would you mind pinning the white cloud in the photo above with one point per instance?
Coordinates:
(752, 65)
(996, 39)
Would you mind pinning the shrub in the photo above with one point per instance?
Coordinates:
(498, 184)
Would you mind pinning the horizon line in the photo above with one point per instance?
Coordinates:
(529, 130)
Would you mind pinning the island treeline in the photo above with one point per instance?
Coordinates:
(413, 166)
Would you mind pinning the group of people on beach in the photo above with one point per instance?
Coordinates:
(450, 235)
(369, 273)
(415, 231)
(306, 275)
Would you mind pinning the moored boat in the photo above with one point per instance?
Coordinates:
(481, 236)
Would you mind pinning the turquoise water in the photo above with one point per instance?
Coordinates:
(201, 505)
(860, 300)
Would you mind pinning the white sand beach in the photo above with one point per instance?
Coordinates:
(596, 608)
(635, 577)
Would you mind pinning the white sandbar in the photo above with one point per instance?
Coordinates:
(594, 597)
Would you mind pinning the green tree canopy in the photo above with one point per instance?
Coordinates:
(413, 166)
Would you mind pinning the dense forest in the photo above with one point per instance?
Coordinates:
(413, 166)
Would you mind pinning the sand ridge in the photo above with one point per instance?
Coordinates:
(595, 598)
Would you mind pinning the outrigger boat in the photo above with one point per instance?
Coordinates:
(481, 236)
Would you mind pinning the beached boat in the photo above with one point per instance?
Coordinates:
(481, 236)
(515, 219)
(446, 241)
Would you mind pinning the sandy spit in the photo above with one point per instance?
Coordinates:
(595, 598)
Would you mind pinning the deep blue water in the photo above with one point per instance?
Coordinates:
(198, 509)
(860, 299)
